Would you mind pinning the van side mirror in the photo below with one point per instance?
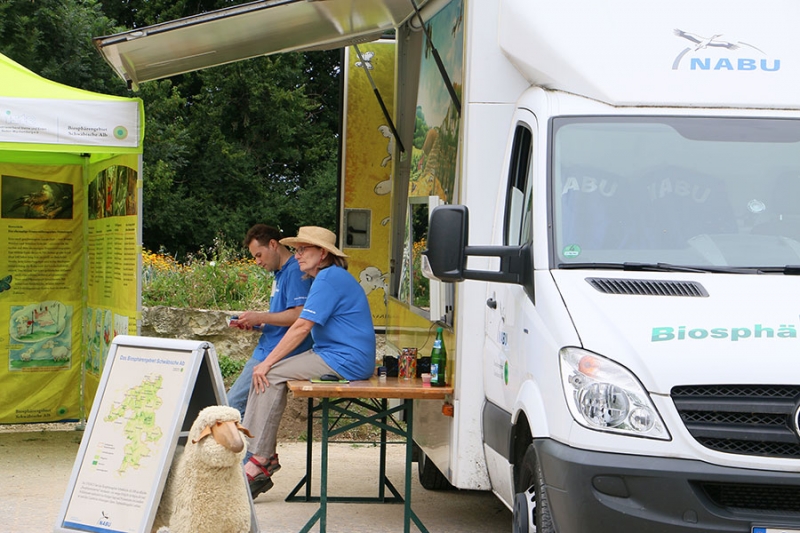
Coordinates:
(448, 250)
(448, 233)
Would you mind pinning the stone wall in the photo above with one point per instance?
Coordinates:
(202, 325)
(211, 326)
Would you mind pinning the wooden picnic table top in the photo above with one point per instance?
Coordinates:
(371, 388)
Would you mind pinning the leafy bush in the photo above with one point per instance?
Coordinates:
(230, 368)
(218, 278)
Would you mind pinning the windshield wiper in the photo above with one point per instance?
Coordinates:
(653, 267)
(789, 270)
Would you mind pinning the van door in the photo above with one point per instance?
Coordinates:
(505, 335)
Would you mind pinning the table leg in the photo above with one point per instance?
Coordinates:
(322, 513)
(409, 515)
(323, 482)
(306, 480)
(382, 469)
(309, 446)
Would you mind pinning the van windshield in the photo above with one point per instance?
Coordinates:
(685, 191)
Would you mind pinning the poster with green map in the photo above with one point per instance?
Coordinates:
(130, 437)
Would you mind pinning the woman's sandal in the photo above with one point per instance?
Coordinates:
(262, 481)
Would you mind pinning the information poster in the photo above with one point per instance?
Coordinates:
(129, 439)
(113, 260)
(41, 270)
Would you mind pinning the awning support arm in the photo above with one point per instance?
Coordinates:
(380, 99)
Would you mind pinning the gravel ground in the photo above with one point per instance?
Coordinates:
(36, 462)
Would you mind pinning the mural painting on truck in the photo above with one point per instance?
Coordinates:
(367, 166)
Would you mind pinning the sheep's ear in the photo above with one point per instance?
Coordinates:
(203, 434)
(243, 430)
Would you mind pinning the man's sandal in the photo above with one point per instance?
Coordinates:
(262, 481)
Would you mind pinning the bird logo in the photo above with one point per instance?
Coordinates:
(5, 283)
(714, 41)
(704, 42)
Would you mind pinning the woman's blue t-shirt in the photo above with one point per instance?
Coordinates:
(343, 332)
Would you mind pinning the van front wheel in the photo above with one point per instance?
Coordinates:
(531, 508)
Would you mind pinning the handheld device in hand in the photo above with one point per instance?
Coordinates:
(235, 318)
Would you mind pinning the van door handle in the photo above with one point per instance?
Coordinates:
(491, 303)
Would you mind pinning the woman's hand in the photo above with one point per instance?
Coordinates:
(260, 381)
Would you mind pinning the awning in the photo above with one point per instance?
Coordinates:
(248, 30)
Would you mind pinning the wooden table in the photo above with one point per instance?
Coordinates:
(339, 397)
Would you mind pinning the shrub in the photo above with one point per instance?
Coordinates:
(230, 369)
(219, 278)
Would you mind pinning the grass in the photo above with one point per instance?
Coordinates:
(218, 278)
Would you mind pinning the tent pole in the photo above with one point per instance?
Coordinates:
(84, 299)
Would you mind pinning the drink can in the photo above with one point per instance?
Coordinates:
(407, 365)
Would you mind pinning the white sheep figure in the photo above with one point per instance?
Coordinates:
(206, 490)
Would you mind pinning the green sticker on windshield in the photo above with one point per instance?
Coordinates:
(573, 250)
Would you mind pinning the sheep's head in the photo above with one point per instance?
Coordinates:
(216, 436)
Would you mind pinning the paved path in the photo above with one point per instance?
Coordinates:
(35, 469)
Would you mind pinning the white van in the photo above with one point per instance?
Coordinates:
(634, 333)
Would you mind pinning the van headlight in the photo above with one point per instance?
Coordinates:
(605, 396)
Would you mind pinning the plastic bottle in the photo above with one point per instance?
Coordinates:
(438, 361)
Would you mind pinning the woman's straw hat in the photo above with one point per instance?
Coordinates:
(314, 236)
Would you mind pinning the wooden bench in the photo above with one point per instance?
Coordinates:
(347, 399)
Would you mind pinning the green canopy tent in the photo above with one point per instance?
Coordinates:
(70, 232)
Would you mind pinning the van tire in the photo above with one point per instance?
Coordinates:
(430, 477)
(531, 507)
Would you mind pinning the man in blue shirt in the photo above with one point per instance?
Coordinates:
(289, 292)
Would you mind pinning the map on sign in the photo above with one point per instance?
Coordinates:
(137, 411)
(131, 431)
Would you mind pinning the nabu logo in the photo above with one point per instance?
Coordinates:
(705, 54)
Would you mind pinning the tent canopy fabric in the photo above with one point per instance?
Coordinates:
(40, 115)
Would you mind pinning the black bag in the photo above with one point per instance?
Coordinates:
(390, 362)
(423, 366)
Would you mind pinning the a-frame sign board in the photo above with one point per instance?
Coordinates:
(149, 395)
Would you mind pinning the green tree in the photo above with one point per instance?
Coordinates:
(53, 38)
(226, 147)
(257, 140)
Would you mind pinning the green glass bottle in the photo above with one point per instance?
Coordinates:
(438, 361)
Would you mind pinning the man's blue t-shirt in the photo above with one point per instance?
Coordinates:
(343, 332)
(289, 290)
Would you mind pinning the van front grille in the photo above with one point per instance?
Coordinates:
(783, 499)
(760, 420)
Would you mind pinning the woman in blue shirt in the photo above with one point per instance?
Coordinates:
(338, 317)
